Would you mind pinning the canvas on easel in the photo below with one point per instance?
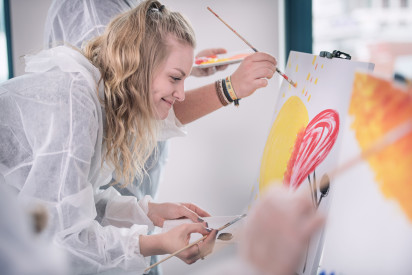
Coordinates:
(305, 137)
(371, 215)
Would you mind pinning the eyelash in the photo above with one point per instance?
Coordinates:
(175, 78)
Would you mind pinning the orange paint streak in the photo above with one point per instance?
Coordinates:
(377, 107)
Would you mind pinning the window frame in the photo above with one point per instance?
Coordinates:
(298, 26)
(7, 25)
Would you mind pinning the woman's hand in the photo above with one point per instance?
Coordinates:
(159, 212)
(253, 73)
(177, 238)
(210, 70)
(277, 231)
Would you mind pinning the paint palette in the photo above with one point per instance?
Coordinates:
(221, 59)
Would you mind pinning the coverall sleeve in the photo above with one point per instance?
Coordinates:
(63, 138)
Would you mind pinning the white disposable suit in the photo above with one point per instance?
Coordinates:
(76, 22)
(51, 128)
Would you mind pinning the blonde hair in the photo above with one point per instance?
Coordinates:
(128, 54)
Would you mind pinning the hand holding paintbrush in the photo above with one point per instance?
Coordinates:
(253, 48)
(196, 242)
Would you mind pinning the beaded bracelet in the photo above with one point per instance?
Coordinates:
(225, 92)
(219, 91)
(231, 91)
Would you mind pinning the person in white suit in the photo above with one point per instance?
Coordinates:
(76, 118)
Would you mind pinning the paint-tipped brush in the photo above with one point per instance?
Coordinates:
(196, 242)
(253, 48)
(391, 137)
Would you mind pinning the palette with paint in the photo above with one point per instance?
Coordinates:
(221, 59)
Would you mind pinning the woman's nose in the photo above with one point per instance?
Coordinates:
(179, 93)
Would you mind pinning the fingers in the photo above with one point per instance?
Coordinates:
(206, 71)
(186, 212)
(221, 67)
(219, 50)
(253, 73)
(206, 246)
(197, 209)
(194, 213)
(212, 51)
(261, 56)
(201, 249)
(190, 228)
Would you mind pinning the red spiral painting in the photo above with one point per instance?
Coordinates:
(312, 145)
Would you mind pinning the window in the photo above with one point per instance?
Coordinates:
(404, 3)
(375, 31)
(5, 64)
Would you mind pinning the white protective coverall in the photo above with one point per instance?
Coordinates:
(51, 128)
(76, 22)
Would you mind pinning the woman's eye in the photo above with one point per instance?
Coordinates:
(176, 78)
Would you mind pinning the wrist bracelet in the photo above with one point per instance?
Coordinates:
(231, 91)
(225, 92)
(219, 92)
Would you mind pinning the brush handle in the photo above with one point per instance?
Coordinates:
(175, 253)
(250, 45)
(383, 142)
(194, 243)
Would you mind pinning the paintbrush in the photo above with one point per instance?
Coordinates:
(194, 243)
(376, 147)
(253, 48)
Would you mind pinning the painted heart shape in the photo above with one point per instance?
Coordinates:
(312, 146)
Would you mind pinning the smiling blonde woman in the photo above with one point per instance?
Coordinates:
(77, 117)
(57, 130)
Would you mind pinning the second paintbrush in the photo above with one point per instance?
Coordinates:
(294, 84)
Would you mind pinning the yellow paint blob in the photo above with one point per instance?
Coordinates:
(314, 59)
(297, 66)
(292, 117)
(316, 81)
(308, 76)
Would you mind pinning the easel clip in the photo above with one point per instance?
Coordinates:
(335, 54)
